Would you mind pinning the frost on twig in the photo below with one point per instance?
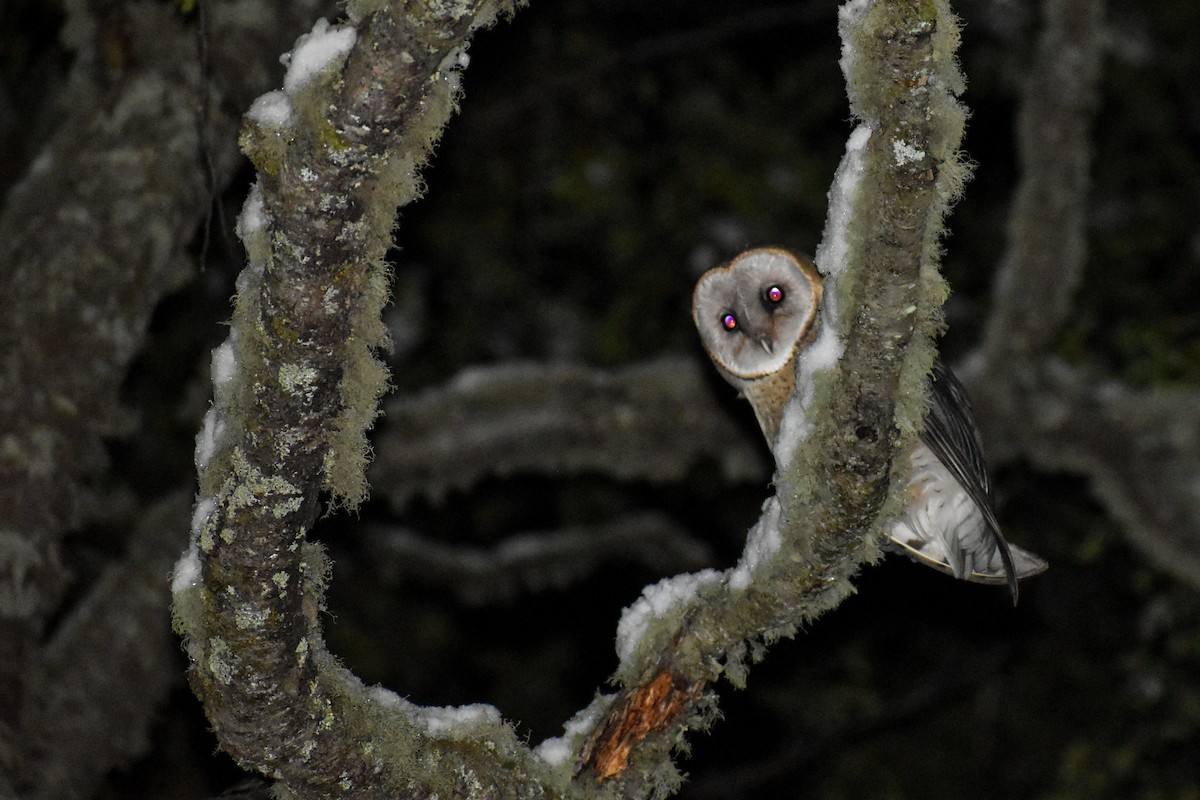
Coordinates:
(651, 421)
(295, 386)
(858, 398)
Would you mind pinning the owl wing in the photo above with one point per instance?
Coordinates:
(951, 434)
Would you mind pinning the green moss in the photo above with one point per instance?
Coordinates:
(328, 136)
(265, 147)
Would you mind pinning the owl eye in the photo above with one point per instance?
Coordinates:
(729, 322)
(774, 295)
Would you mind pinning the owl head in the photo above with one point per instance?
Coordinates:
(754, 315)
(755, 312)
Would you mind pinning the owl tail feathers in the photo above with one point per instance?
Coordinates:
(1019, 565)
(998, 570)
(1027, 564)
(1005, 563)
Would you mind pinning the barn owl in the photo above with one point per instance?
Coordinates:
(756, 313)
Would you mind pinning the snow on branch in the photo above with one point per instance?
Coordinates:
(296, 385)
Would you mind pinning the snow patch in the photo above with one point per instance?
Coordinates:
(438, 721)
(905, 153)
(208, 438)
(187, 568)
(835, 242)
(271, 110)
(205, 506)
(850, 13)
(388, 698)
(224, 364)
(823, 354)
(452, 721)
(558, 749)
(316, 52)
(831, 258)
(655, 601)
(254, 212)
(762, 543)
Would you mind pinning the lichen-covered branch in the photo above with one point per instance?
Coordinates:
(1046, 250)
(860, 390)
(1140, 447)
(81, 274)
(295, 386)
(650, 421)
(532, 562)
(91, 239)
(100, 678)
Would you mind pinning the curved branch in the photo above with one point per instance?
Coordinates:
(298, 365)
(1046, 249)
(860, 390)
(295, 386)
(1140, 447)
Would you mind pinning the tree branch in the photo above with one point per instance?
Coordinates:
(295, 386)
(1046, 249)
(532, 561)
(859, 397)
(650, 421)
(334, 155)
(1140, 447)
(91, 239)
(100, 679)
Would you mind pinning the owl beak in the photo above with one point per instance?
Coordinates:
(767, 345)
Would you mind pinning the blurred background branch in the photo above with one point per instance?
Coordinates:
(92, 238)
(1139, 446)
(651, 421)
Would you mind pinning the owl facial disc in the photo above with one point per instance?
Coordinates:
(753, 312)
